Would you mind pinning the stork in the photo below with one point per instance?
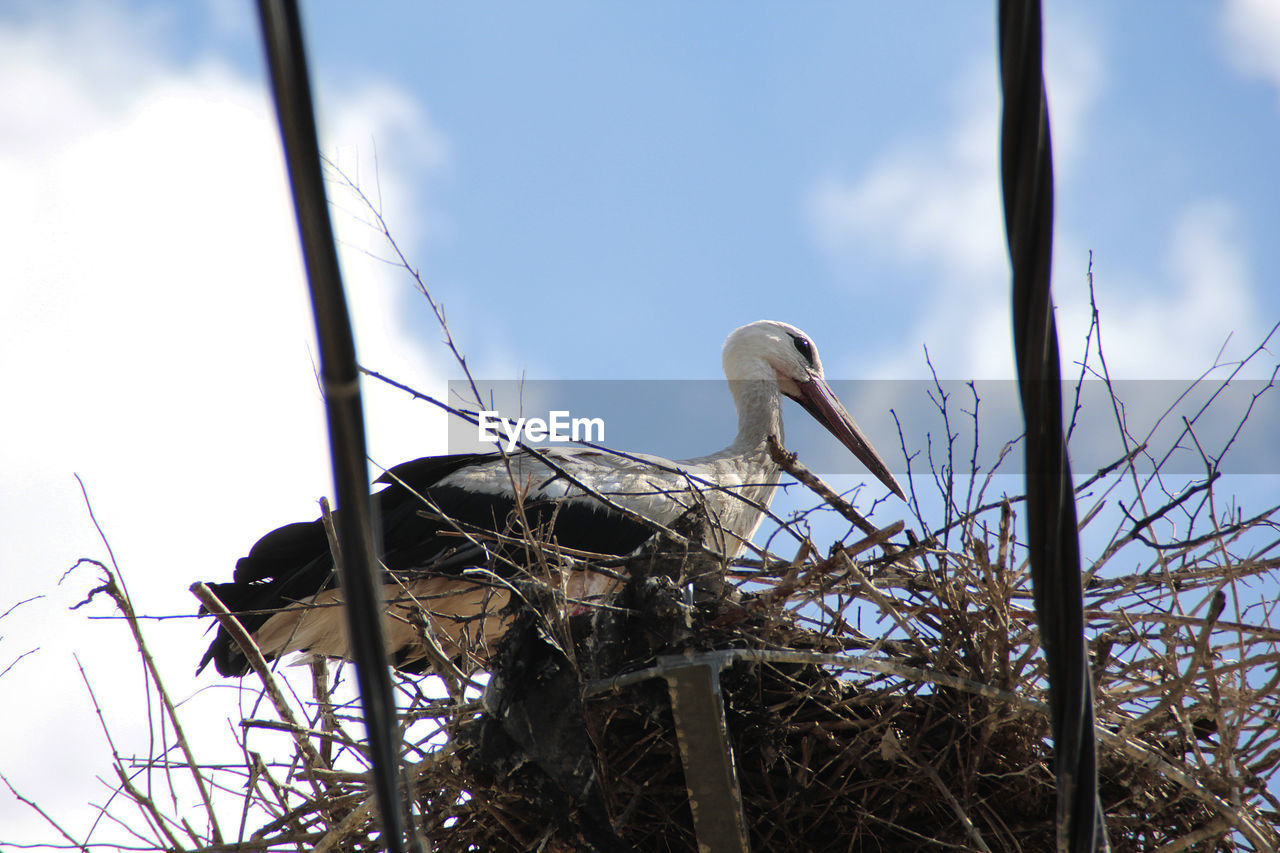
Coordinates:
(589, 500)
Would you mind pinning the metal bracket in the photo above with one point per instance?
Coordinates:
(703, 734)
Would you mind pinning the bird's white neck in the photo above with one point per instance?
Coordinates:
(759, 413)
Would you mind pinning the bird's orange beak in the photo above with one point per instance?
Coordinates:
(819, 401)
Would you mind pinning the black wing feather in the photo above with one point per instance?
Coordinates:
(293, 562)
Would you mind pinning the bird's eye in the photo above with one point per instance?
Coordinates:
(804, 348)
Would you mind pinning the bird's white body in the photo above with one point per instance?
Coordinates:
(733, 489)
(593, 492)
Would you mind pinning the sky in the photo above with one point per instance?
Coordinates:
(593, 191)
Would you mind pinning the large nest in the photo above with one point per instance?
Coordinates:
(922, 727)
(935, 738)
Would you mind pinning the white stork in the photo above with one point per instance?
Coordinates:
(285, 589)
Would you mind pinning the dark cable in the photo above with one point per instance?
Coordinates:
(1027, 175)
(339, 374)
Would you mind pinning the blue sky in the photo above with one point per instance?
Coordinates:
(594, 192)
(732, 164)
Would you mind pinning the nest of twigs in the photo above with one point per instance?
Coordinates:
(923, 727)
(935, 739)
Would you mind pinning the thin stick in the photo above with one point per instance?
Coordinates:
(32, 804)
(228, 621)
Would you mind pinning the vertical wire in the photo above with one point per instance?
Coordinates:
(286, 58)
(1027, 177)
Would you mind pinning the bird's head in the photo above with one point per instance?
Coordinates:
(782, 355)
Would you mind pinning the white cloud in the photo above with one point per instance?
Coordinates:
(1176, 330)
(937, 202)
(933, 206)
(159, 343)
(1252, 31)
(933, 203)
(1076, 77)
